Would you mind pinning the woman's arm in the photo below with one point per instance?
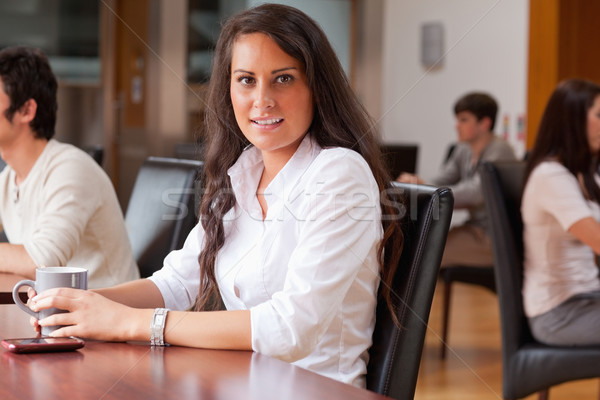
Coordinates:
(92, 315)
(588, 231)
(215, 330)
(141, 293)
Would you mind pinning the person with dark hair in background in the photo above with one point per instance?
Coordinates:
(57, 206)
(561, 214)
(291, 237)
(469, 244)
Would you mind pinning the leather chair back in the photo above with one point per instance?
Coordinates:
(395, 355)
(96, 152)
(503, 186)
(527, 365)
(162, 209)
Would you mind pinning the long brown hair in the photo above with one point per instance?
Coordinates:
(562, 134)
(339, 120)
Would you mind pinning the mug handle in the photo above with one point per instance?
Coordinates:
(17, 298)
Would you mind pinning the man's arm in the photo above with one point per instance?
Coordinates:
(14, 259)
(406, 177)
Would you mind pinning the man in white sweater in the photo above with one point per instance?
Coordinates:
(57, 206)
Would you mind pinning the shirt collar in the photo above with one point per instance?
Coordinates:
(247, 170)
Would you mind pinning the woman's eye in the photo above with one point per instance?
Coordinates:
(246, 80)
(285, 79)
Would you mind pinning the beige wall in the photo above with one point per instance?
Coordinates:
(486, 43)
(368, 63)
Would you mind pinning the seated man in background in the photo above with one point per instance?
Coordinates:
(57, 205)
(469, 244)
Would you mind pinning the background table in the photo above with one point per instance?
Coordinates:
(104, 370)
(7, 282)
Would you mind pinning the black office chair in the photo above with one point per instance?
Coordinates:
(162, 209)
(396, 352)
(400, 158)
(527, 365)
(96, 152)
(481, 275)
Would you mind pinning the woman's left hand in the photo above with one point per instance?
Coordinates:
(91, 315)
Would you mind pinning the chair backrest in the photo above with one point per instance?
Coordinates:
(400, 158)
(95, 151)
(449, 152)
(395, 355)
(162, 209)
(502, 188)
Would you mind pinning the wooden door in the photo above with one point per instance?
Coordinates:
(562, 44)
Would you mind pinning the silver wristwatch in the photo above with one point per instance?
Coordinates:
(157, 327)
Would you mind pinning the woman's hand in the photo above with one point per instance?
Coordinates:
(91, 315)
(34, 322)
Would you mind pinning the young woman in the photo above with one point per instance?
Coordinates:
(560, 214)
(291, 238)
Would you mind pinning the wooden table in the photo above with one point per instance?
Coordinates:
(7, 282)
(104, 370)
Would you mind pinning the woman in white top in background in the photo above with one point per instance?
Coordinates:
(560, 212)
(291, 238)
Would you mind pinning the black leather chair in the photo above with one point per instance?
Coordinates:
(400, 158)
(527, 365)
(162, 209)
(396, 352)
(96, 152)
(481, 275)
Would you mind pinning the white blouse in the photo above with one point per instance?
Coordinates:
(557, 265)
(309, 272)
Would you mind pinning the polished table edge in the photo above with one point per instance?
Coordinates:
(7, 282)
(6, 298)
(116, 370)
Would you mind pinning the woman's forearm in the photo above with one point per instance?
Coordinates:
(213, 330)
(588, 231)
(141, 293)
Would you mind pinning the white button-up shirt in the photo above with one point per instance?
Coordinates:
(308, 272)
